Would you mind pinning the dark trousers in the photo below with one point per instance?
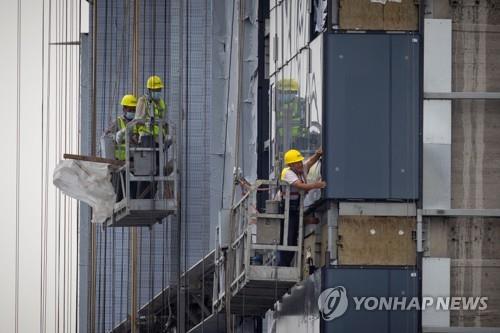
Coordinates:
(285, 257)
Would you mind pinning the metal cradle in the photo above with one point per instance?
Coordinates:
(256, 285)
(153, 178)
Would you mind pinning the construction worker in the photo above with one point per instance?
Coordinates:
(129, 103)
(295, 174)
(151, 107)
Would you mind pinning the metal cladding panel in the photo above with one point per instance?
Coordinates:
(356, 112)
(404, 113)
(366, 281)
(436, 179)
(371, 116)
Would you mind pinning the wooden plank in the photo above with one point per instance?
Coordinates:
(368, 240)
(94, 159)
(366, 15)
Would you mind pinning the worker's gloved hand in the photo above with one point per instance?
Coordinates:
(319, 151)
(120, 136)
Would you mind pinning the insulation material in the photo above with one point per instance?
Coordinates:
(89, 182)
(378, 15)
(376, 240)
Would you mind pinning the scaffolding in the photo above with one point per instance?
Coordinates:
(147, 182)
(248, 269)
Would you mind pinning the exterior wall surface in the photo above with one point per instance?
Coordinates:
(163, 30)
(475, 172)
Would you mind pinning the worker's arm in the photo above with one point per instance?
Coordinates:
(308, 186)
(313, 159)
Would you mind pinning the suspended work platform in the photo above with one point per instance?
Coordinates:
(248, 270)
(146, 185)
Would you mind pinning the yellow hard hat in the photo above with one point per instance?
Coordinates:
(154, 82)
(129, 100)
(293, 156)
(288, 85)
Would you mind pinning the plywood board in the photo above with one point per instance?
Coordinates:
(367, 240)
(366, 15)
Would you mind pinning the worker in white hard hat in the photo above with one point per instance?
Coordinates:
(295, 174)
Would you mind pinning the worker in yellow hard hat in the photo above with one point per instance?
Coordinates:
(128, 103)
(151, 108)
(295, 174)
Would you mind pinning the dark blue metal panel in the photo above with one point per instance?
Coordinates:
(372, 282)
(404, 116)
(356, 114)
(371, 116)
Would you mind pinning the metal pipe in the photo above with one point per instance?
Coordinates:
(420, 254)
(334, 11)
(332, 224)
(180, 305)
(420, 247)
(133, 242)
(93, 230)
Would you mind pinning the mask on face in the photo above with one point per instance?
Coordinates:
(156, 95)
(129, 115)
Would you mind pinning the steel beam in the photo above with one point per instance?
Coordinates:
(461, 329)
(377, 209)
(462, 212)
(462, 95)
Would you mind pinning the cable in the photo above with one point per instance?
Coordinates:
(105, 66)
(227, 107)
(42, 191)
(18, 165)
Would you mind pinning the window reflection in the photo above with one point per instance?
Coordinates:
(294, 126)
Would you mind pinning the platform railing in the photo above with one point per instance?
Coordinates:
(158, 176)
(255, 244)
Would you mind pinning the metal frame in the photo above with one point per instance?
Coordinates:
(461, 212)
(255, 288)
(462, 95)
(461, 329)
(377, 208)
